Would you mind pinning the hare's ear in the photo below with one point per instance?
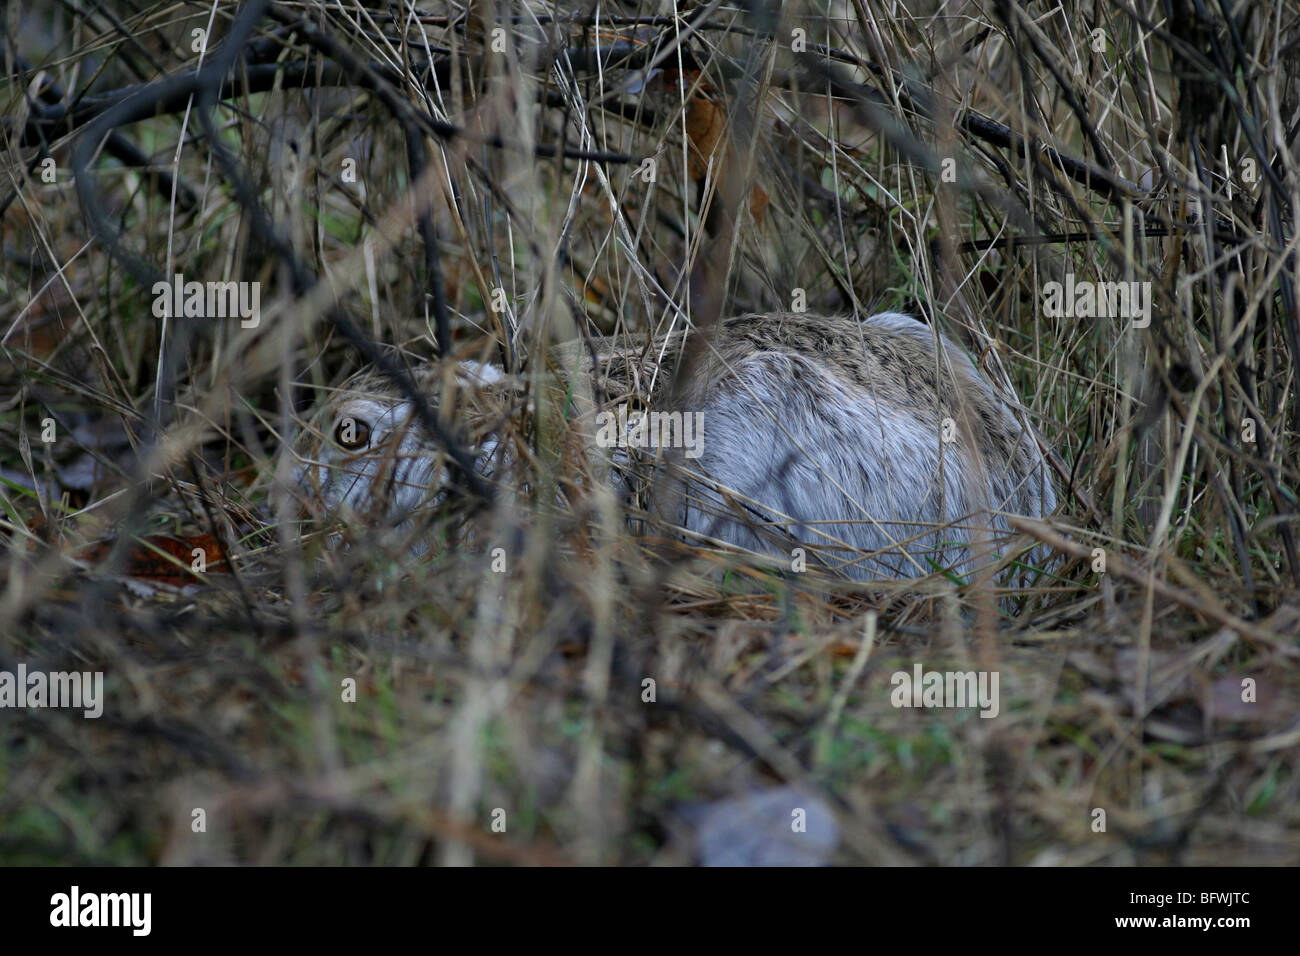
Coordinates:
(478, 374)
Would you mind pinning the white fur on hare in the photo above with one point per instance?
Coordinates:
(875, 445)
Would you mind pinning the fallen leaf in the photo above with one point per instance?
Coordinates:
(706, 129)
(144, 561)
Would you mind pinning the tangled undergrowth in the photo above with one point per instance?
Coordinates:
(487, 180)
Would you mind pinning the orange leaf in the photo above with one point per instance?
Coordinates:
(706, 123)
(706, 128)
(144, 561)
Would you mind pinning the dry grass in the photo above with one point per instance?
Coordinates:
(1168, 157)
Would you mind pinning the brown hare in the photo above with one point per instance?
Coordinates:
(873, 445)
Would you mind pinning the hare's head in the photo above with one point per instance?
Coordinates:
(365, 455)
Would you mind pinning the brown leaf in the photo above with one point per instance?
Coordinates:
(706, 128)
(706, 124)
(144, 561)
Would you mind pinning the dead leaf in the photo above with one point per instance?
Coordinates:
(173, 566)
(706, 128)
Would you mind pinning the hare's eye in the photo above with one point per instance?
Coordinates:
(352, 434)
